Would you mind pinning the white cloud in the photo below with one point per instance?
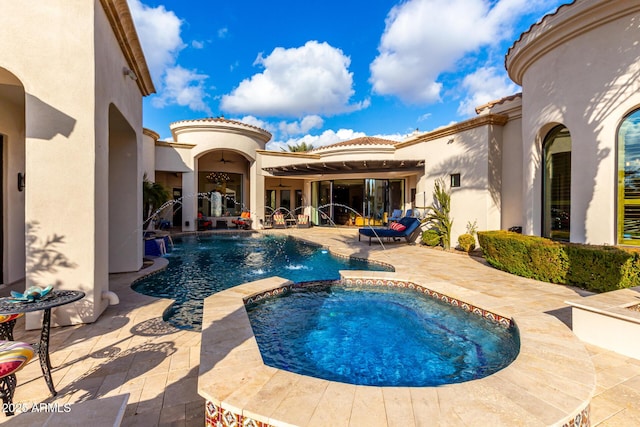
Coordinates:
(327, 137)
(223, 32)
(308, 80)
(254, 121)
(301, 126)
(183, 87)
(159, 32)
(484, 85)
(424, 117)
(424, 38)
(197, 44)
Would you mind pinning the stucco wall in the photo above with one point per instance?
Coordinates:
(148, 154)
(467, 153)
(587, 83)
(71, 75)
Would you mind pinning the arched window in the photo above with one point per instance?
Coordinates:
(629, 180)
(556, 184)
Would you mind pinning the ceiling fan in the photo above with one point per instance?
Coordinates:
(223, 160)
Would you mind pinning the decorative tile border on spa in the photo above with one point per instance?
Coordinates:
(581, 419)
(387, 283)
(253, 299)
(215, 416)
(403, 284)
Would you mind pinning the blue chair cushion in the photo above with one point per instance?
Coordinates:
(411, 223)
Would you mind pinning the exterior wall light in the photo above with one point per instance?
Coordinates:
(20, 181)
(129, 73)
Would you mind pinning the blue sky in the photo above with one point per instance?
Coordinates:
(328, 71)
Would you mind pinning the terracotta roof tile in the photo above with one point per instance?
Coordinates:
(537, 24)
(492, 104)
(222, 120)
(365, 140)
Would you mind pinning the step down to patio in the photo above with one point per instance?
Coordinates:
(106, 411)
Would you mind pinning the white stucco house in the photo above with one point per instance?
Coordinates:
(561, 159)
(557, 160)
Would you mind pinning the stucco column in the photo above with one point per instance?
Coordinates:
(189, 201)
(256, 195)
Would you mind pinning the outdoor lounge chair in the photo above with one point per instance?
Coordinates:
(411, 226)
(396, 215)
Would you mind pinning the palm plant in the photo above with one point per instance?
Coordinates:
(301, 147)
(154, 195)
(439, 213)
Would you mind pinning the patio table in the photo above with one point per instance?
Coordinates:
(52, 299)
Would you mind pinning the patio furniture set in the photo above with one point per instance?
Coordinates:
(14, 355)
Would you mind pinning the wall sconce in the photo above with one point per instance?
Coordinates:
(20, 181)
(129, 73)
(450, 141)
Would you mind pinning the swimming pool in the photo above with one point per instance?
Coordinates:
(201, 265)
(378, 336)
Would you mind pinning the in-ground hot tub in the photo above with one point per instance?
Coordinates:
(550, 382)
(378, 335)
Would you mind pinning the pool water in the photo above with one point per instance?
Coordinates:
(201, 265)
(378, 337)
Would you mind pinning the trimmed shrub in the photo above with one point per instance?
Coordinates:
(596, 268)
(467, 242)
(430, 237)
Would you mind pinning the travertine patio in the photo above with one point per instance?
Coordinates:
(130, 350)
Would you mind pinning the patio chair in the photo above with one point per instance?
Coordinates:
(303, 221)
(13, 356)
(7, 322)
(244, 221)
(204, 223)
(278, 220)
(395, 216)
(405, 228)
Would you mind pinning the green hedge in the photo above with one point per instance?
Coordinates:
(596, 268)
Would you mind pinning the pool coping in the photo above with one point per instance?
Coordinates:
(551, 381)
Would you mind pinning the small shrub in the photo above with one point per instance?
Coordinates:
(431, 237)
(472, 227)
(467, 242)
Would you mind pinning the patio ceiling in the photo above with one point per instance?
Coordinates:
(347, 167)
